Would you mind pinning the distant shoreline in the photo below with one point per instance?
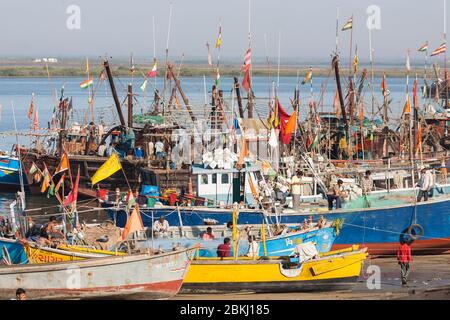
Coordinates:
(27, 71)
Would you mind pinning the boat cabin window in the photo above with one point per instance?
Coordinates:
(204, 179)
(214, 178)
(225, 178)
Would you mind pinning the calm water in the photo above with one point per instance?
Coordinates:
(17, 91)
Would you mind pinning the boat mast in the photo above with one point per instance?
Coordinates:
(114, 92)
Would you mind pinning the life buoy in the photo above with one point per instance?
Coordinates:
(416, 227)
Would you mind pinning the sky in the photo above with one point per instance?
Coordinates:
(307, 28)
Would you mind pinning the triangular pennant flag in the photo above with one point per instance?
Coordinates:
(134, 223)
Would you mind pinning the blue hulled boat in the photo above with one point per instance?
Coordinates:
(9, 172)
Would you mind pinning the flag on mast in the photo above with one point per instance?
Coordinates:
(209, 55)
(355, 60)
(31, 109)
(87, 83)
(308, 77)
(424, 47)
(348, 25)
(144, 85)
(442, 48)
(219, 38)
(247, 60)
(152, 73)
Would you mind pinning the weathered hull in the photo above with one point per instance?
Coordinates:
(150, 276)
(333, 272)
(9, 173)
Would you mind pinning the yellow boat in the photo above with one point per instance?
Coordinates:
(37, 255)
(336, 270)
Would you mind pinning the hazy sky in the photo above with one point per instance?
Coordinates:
(38, 27)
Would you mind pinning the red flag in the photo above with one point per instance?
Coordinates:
(36, 121)
(30, 110)
(284, 119)
(73, 195)
(246, 80)
(134, 223)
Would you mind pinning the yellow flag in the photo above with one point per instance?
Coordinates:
(111, 166)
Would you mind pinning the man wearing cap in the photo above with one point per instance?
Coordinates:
(424, 184)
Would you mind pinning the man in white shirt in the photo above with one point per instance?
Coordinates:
(424, 184)
(296, 189)
(253, 247)
(161, 227)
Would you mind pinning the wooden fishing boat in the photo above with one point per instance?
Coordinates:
(336, 270)
(143, 275)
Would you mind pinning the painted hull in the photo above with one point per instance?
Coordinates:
(9, 173)
(331, 272)
(378, 228)
(39, 255)
(149, 276)
(15, 250)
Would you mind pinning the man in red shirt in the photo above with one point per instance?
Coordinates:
(404, 258)
(224, 250)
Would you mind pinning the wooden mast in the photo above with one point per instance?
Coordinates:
(335, 63)
(114, 92)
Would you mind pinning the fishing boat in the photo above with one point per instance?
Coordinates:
(143, 275)
(9, 172)
(336, 270)
(283, 244)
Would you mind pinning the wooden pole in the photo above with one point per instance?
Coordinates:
(114, 92)
(180, 89)
(238, 95)
(130, 105)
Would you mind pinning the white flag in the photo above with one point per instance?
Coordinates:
(408, 66)
(144, 85)
(273, 141)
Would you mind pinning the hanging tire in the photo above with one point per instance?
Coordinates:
(412, 231)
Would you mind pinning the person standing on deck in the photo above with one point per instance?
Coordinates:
(404, 258)
(367, 182)
(296, 189)
(335, 193)
(424, 184)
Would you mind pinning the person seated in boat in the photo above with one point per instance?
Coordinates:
(321, 222)
(161, 227)
(253, 247)
(424, 184)
(367, 182)
(224, 250)
(335, 193)
(50, 231)
(208, 235)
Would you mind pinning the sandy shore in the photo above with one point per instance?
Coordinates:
(429, 279)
